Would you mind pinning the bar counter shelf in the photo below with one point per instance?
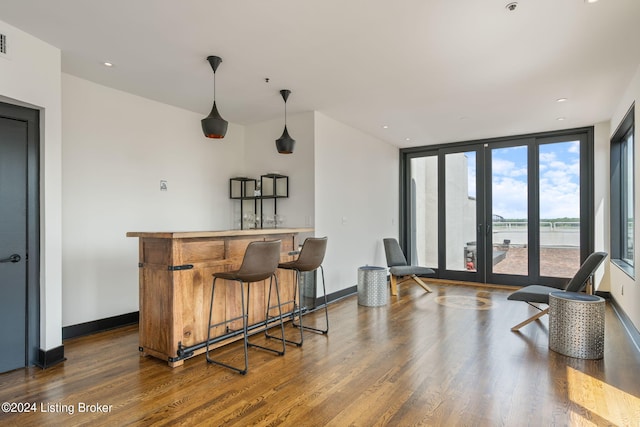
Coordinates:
(253, 194)
(175, 277)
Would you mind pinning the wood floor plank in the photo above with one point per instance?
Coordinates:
(441, 358)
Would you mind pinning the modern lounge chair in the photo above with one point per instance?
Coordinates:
(539, 294)
(399, 269)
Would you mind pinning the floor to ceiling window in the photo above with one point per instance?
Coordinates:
(510, 210)
(559, 190)
(622, 195)
(424, 195)
(460, 209)
(507, 210)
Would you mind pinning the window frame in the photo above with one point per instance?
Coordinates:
(620, 183)
(587, 222)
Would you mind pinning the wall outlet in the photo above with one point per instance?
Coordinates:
(4, 44)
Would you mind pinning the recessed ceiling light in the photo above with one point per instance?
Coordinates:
(561, 119)
(590, 1)
(407, 139)
(385, 127)
(107, 64)
(561, 99)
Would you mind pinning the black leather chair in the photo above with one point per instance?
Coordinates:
(259, 263)
(399, 268)
(539, 294)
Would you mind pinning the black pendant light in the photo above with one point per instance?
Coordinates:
(213, 125)
(285, 143)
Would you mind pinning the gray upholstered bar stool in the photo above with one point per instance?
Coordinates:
(310, 259)
(259, 263)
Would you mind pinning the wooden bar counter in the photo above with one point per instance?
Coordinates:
(175, 280)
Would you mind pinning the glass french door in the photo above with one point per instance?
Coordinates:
(509, 215)
(462, 220)
(565, 222)
(510, 211)
(444, 231)
(423, 184)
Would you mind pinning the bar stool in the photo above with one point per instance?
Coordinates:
(259, 263)
(310, 259)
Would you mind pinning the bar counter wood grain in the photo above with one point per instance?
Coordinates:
(175, 280)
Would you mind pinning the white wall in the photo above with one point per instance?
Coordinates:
(625, 289)
(601, 201)
(117, 147)
(262, 157)
(356, 197)
(30, 77)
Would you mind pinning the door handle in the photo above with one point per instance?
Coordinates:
(13, 258)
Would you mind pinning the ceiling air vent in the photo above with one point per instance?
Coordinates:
(3, 44)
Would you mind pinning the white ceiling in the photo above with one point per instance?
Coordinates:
(434, 71)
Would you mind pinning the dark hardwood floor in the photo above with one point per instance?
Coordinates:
(441, 359)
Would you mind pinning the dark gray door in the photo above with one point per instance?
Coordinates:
(13, 243)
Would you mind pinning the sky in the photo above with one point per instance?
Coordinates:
(559, 181)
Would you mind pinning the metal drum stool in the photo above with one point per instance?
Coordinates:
(372, 286)
(576, 324)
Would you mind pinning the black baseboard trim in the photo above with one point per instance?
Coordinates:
(100, 325)
(48, 358)
(604, 294)
(338, 295)
(627, 323)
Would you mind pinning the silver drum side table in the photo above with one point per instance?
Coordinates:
(576, 324)
(372, 286)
